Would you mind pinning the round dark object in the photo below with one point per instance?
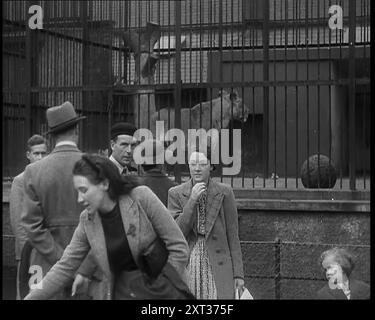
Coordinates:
(318, 172)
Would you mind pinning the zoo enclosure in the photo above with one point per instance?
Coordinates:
(305, 85)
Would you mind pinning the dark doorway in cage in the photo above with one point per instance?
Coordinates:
(251, 144)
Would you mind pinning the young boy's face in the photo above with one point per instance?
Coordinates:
(199, 167)
(36, 152)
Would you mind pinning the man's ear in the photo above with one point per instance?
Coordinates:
(112, 144)
(28, 155)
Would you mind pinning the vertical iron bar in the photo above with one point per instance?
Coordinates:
(191, 40)
(364, 135)
(159, 21)
(297, 87)
(365, 39)
(148, 15)
(178, 78)
(190, 54)
(209, 53)
(8, 98)
(307, 91)
(318, 51)
(85, 59)
(55, 48)
(169, 74)
(286, 96)
(18, 99)
(362, 40)
(329, 98)
(254, 41)
(111, 61)
(126, 55)
(274, 95)
(221, 68)
(352, 88)
(64, 53)
(138, 73)
(265, 37)
(28, 76)
(200, 59)
(339, 34)
(242, 88)
(71, 59)
(169, 40)
(277, 270)
(48, 57)
(232, 78)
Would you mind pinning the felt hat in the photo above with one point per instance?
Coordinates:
(62, 117)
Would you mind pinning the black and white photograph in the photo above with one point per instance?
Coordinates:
(214, 150)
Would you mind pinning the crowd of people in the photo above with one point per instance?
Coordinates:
(105, 228)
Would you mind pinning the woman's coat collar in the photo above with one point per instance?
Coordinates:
(215, 197)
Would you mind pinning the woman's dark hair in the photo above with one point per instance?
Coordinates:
(96, 168)
(342, 256)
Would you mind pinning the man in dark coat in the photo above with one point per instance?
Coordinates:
(123, 143)
(153, 171)
(52, 211)
(36, 150)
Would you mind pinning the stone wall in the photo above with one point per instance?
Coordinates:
(304, 236)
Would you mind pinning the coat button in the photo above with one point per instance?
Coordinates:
(220, 263)
(214, 237)
(132, 294)
(218, 250)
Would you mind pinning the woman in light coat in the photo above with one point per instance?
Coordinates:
(206, 212)
(120, 223)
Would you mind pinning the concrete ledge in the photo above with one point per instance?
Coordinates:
(305, 194)
(304, 205)
(291, 200)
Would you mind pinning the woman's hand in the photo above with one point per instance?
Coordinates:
(80, 285)
(197, 190)
(239, 285)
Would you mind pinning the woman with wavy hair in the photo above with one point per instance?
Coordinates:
(338, 264)
(207, 214)
(121, 225)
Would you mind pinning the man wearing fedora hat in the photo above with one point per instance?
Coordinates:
(123, 143)
(51, 208)
(153, 174)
